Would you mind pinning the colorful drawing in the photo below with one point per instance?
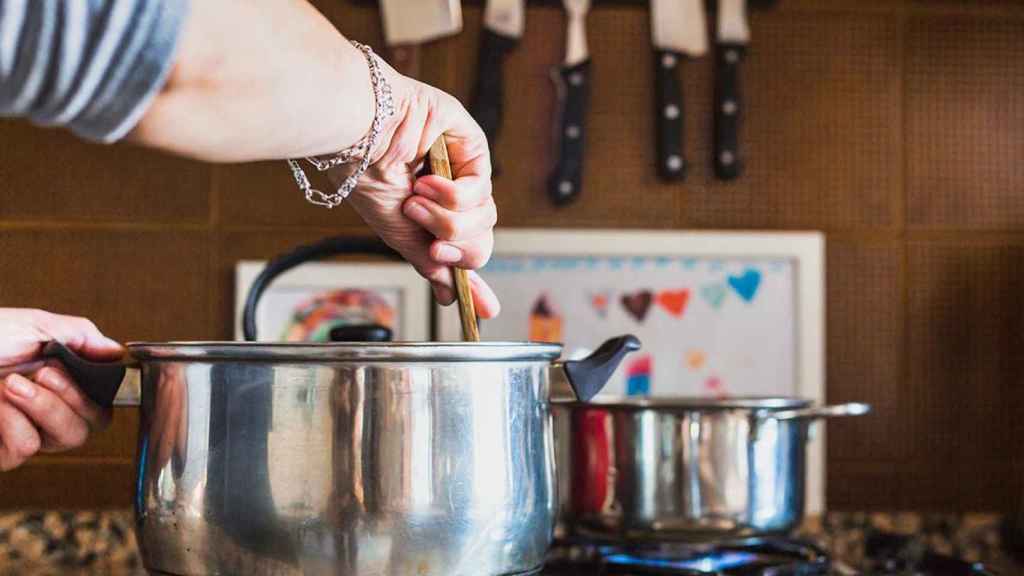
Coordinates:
(715, 386)
(313, 319)
(599, 302)
(638, 304)
(713, 294)
(545, 322)
(747, 284)
(695, 359)
(674, 301)
(638, 376)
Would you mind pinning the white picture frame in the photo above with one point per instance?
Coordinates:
(409, 291)
(806, 251)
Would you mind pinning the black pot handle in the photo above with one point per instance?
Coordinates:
(589, 376)
(100, 381)
(333, 246)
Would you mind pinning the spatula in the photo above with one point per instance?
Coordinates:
(441, 166)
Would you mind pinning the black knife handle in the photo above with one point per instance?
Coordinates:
(728, 110)
(487, 106)
(566, 181)
(669, 117)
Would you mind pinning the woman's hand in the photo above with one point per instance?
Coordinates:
(44, 411)
(433, 222)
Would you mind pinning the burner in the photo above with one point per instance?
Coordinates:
(766, 557)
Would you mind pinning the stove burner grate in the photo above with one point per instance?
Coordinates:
(764, 557)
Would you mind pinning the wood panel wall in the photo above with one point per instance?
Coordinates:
(897, 127)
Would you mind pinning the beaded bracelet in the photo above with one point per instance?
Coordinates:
(384, 108)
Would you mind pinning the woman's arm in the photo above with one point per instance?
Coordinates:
(237, 80)
(257, 81)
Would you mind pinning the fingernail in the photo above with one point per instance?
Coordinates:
(448, 253)
(424, 190)
(417, 212)
(21, 387)
(54, 380)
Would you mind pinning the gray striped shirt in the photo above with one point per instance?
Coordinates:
(93, 66)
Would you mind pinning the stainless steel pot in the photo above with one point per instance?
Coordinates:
(684, 469)
(346, 459)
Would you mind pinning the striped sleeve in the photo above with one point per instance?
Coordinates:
(93, 66)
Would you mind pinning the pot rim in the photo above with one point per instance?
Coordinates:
(686, 403)
(348, 351)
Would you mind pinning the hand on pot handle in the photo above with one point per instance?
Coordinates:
(41, 407)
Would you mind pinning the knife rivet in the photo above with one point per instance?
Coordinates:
(576, 78)
(732, 56)
(729, 107)
(727, 157)
(671, 111)
(674, 163)
(565, 187)
(572, 131)
(668, 61)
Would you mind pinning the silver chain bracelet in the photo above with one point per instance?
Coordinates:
(384, 108)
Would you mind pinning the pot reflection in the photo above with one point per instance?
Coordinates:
(427, 469)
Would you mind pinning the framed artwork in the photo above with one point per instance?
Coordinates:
(719, 314)
(303, 304)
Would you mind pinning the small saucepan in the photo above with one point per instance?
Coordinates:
(684, 469)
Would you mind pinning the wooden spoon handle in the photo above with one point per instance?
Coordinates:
(442, 166)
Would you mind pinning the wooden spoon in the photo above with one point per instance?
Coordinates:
(442, 166)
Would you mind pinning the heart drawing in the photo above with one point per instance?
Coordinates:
(638, 304)
(747, 284)
(713, 294)
(674, 301)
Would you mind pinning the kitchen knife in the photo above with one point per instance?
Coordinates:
(572, 80)
(504, 21)
(733, 35)
(678, 28)
(409, 23)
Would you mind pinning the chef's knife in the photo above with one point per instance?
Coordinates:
(733, 35)
(409, 23)
(504, 21)
(678, 28)
(572, 79)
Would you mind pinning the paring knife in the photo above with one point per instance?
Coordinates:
(732, 38)
(573, 83)
(504, 22)
(409, 23)
(678, 28)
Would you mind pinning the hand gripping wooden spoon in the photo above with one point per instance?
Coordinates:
(440, 165)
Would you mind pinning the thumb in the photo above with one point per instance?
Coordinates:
(83, 337)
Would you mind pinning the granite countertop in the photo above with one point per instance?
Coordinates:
(87, 543)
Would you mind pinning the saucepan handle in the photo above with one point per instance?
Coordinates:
(100, 381)
(819, 412)
(333, 246)
(588, 377)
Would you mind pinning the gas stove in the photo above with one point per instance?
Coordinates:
(776, 556)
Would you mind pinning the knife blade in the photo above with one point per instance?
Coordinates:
(573, 82)
(678, 29)
(504, 22)
(409, 23)
(732, 38)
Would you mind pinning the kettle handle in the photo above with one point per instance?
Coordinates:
(332, 246)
